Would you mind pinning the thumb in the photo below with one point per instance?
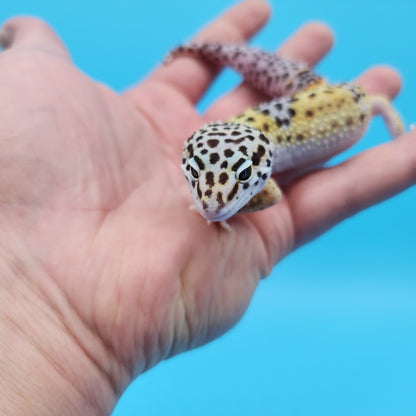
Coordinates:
(31, 33)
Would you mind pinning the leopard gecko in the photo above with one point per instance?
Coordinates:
(229, 165)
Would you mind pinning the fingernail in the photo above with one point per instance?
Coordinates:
(6, 36)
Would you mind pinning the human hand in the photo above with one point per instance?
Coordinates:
(105, 271)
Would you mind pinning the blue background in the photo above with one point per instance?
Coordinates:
(332, 331)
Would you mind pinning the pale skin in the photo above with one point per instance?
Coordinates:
(104, 269)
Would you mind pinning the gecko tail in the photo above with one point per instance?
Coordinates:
(271, 74)
(380, 105)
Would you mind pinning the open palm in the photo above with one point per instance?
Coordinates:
(95, 211)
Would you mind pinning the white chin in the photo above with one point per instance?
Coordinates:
(223, 215)
(216, 217)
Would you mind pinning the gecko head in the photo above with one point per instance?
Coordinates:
(225, 165)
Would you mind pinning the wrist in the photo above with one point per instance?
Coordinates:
(50, 363)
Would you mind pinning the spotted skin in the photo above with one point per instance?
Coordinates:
(228, 165)
(271, 74)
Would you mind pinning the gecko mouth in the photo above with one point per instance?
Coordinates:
(220, 211)
(216, 216)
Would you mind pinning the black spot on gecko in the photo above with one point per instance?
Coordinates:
(265, 127)
(243, 150)
(236, 141)
(198, 190)
(228, 153)
(266, 112)
(239, 163)
(309, 113)
(246, 185)
(214, 158)
(261, 151)
(208, 192)
(263, 138)
(223, 178)
(204, 151)
(190, 149)
(291, 112)
(231, 195)
(235, 133)
(212, 143)
(204, 205)
(264, 176)
(220, 200)
(300, 137)
(209, 179)
(217, 133)
(224, 165)
(199, 162)
(199, 145)
(250, 119)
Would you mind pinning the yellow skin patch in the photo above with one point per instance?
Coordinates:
(319, 112)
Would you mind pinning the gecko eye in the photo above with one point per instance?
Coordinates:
(245, 171)
(194, 168)
(194, 173)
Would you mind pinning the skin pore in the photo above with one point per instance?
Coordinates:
(104, 271)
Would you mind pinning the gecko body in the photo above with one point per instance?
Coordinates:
(229, 165)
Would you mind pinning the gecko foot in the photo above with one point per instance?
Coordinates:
(223, 224)
(226, 226)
